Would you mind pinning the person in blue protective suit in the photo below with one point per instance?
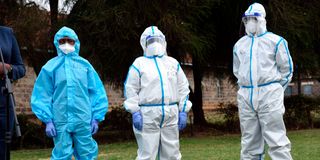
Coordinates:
(263, 67)
(69, 97)
(156, 93)
(16, 70)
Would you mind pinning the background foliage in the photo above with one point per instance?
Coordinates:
(109, 32)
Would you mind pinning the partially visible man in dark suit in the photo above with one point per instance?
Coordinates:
(14, 65)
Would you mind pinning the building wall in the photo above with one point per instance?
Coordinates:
(309, 87)
(22, 90)
(215, 91)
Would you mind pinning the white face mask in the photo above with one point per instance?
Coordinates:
(155, 49)
(67, 48)
(251, 27)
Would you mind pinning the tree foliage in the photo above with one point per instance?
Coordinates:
(227, 22)
(298, 21)
(32, 30)
(31, 26)
(110, 30)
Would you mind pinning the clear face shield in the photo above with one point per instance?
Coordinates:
(154, 39)
(245, 20)
(250, 22)
(155, 46)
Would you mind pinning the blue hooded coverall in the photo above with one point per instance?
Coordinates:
(69, 92)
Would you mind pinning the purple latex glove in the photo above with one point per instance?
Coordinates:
(94, 126)
(182, 123)
(137, 120)
(50, 129)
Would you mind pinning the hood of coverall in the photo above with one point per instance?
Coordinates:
(257, 10)
(67, 32)
(152, 31)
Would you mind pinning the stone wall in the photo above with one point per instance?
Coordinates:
(22, 90)
(309, 87)
(215, 91)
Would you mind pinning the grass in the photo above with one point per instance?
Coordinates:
(305, 145)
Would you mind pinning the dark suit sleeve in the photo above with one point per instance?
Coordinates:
(18, 69)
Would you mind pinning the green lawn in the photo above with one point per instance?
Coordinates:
(305, 146)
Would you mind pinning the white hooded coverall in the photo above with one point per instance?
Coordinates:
(263, 67)
(158, 88)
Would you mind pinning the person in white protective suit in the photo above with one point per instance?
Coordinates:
(263, 67)
(156, 93)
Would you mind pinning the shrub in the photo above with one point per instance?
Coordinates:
(300, 111)
(32, 134)
(116, 127)
(230, 114)
(118, 119)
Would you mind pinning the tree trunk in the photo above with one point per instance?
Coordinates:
(299, 79)
(53, 11)
(309, 116)
(54, 21)
(197, 96)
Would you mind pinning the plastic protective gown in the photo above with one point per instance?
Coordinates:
(158, 88)
(69, 92)
(263, 66)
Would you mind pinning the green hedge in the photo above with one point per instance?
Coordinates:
(301, 112)
(32, 134)
(231, 118)
(116, 127)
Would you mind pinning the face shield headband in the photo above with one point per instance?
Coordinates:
(252, 14)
